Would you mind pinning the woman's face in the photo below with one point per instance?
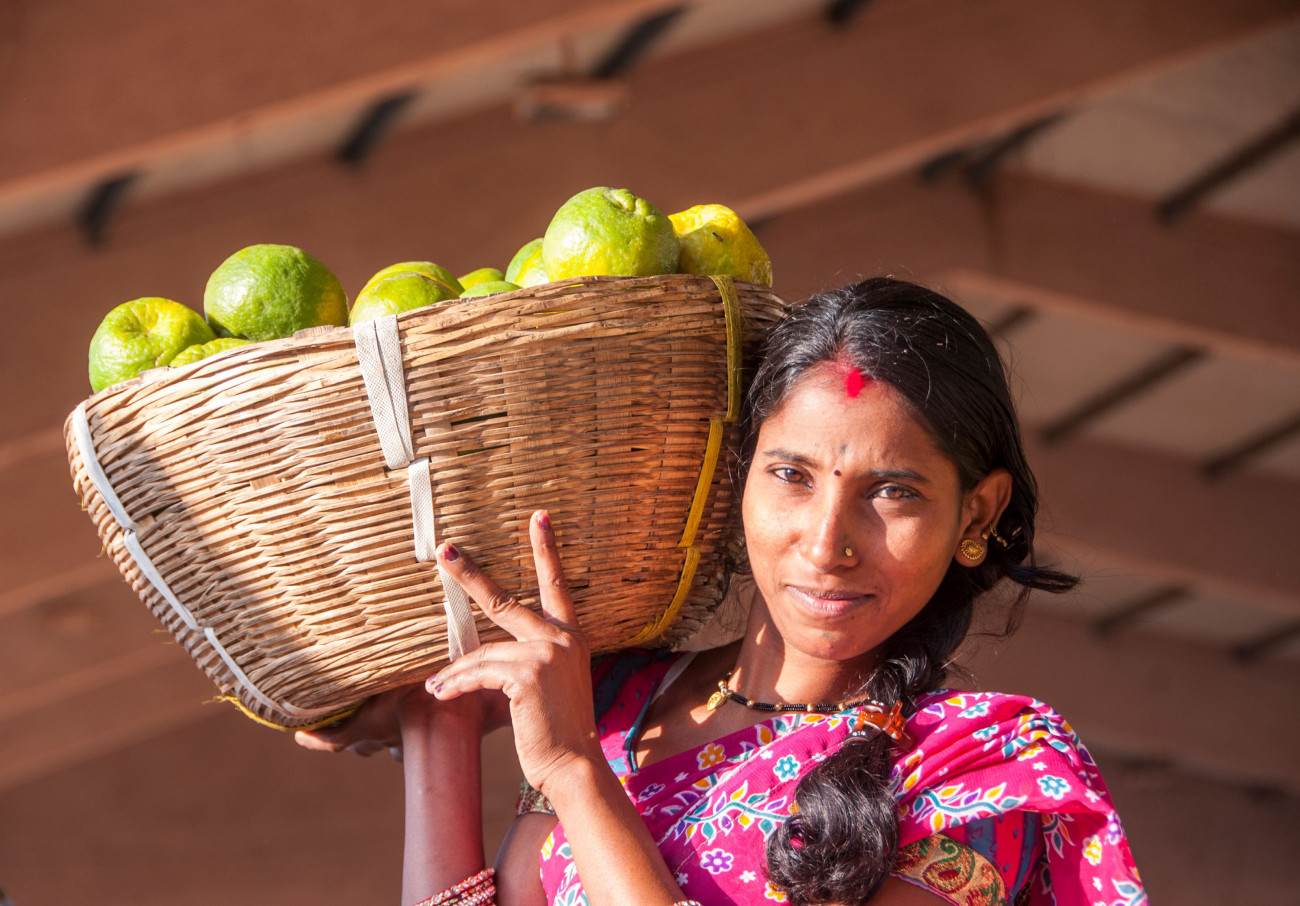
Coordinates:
(852, 516)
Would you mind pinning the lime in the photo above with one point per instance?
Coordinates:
(488, 287)
(482, 275)
(715, 240)
(400, 292)
(428, 268)
(609, 231)
(264, 292)
(526, 267)
(199, 351)
(142, 334)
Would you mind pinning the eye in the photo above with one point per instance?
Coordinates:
(894, 492)
(789, 475)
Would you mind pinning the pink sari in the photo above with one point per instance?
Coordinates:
(1003, 764)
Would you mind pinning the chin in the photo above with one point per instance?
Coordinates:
(828, 645)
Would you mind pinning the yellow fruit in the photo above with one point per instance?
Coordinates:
(482, 275)
(142, 334)
(428, 268)
(526, 267)
(714, 240)
(489, 287)
(400, 292)
(604, 231)
(199, 351)
(264, 292)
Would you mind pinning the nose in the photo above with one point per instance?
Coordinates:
(828, 541)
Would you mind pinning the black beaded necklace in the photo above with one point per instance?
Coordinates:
(725, 694)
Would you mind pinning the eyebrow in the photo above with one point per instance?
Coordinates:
(888, 474)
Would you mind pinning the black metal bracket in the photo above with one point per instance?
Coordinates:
(1121, 392)
(840, 12)
(1179, 203)
(371, 129)
(638, 40)
(102, 202)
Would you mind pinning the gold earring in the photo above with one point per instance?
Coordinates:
(996, 537)
(972, 550)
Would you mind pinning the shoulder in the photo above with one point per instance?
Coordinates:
(984, 762)
(978, 754)
(1007, 724)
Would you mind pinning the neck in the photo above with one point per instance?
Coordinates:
(768, 670)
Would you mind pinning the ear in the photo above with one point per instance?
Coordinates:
(982, 507)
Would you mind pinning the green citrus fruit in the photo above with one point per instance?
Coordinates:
(400, 292)
(264, 292)
(428, 268)
(526, 267)
(199, 351)
(609, 231)
(714, 240)
(142, 334)
(482, 275)
(488, 287)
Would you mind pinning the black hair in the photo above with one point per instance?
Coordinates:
(840, 845)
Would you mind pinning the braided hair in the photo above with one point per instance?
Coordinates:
(841, 843)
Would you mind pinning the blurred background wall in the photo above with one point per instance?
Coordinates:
(1112, 185)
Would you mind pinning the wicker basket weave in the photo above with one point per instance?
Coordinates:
(248, 501)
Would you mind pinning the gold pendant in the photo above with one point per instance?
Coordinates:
(716, 700)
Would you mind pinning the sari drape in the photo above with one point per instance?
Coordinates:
(978, 759)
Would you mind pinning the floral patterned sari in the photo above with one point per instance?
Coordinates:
(998, 801)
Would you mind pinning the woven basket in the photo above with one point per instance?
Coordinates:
(250, 501)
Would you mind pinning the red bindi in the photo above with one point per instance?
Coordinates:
(853, 383)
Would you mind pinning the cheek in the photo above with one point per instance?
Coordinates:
(920, 558)
(765, 525)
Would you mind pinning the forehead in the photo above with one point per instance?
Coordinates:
(834, 409)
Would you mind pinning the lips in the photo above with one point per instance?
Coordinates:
(829, 601)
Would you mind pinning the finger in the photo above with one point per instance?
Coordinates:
(314, 741)
(500, 667)
(494, 652)
(497, 605)
(557, 603)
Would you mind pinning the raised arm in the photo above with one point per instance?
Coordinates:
(444, 812)
(546, 675)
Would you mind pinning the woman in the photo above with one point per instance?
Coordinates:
(817, 759)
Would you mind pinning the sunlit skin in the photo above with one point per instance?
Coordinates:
(832, 469)
(852, 516)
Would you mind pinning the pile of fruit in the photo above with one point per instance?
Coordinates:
(266, 292)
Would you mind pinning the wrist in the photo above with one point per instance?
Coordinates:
(577, 780)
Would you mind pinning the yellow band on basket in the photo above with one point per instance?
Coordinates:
(652, 630)
(316, 724)
(731, 312)
(712, 449)
(707, 468)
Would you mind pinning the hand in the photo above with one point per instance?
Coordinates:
(546, 672)
(373, 728)
(377, 725)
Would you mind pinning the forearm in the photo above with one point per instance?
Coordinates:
(613, 851)
(444, 821)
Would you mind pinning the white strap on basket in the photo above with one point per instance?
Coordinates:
(379, 353)
(95, 472)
